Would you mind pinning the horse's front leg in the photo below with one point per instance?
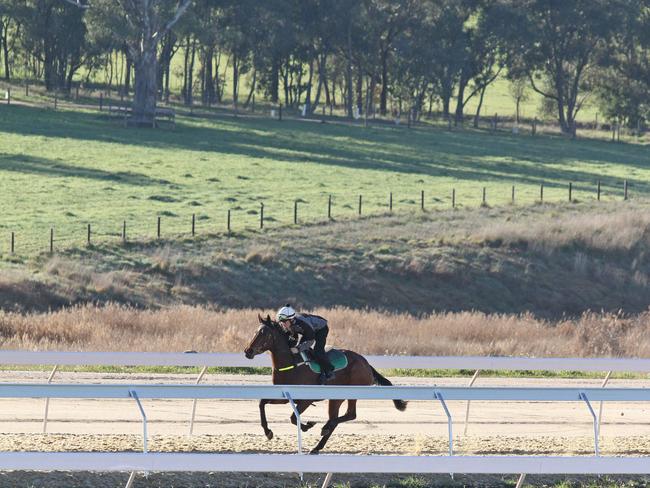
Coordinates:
(265, 425)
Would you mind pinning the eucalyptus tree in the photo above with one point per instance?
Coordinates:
(557, 44)
(141, 24)
(624, 82)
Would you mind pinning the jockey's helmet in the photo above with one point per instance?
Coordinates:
(286, 313)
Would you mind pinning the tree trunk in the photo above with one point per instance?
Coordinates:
(207, 83)
(479, 106)
(144, 101)
(460, 103)
(127, 74)
(383, 98)
(309, 83)
(4, 37)
(359, 89)
(190, 75)
(349, 71)
(275, 80)
(235, 79)
(252, 90)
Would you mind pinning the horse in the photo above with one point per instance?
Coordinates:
(289, 370)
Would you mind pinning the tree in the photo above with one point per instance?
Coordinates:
(624, 82)
(142, 24)
(518, 90)
(555, 44)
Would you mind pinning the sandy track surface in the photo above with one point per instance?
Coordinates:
(536, 428)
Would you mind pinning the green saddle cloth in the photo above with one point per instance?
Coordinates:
(338, 359)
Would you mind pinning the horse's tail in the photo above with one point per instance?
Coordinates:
(380, 380)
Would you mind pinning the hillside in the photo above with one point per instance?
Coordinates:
(551, 260)
(63, 170)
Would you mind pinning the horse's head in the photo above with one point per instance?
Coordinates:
(266, 338)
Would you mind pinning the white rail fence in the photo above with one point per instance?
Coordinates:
(147, 461)
(205, 360)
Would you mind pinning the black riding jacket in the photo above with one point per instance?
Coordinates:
(307, 325)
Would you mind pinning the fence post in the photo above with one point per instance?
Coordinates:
(422, 200)
(534, 131)
(261, 215)
(570, 191)
(228, 222)
(51, 240)
(513, 194)
(541, 192)
(193, 225)
(13, 243)
(295, 211)
(8, 95)
(453, 198)
(124, 232)
(329, 208)
(625, 190)
(484, 203)
(280, 112)
(89, 234)
(598, 192)
(158, 227)
(360, 198)
(390, 202)
(26, 89)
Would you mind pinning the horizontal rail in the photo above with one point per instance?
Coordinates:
(327, 463)
(238, 360)
(170, 391)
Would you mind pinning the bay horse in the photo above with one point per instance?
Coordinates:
(290, 370)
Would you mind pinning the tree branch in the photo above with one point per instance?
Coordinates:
(534, 86)
(77, 3)
(179, 12)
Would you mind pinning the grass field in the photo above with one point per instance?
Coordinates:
(69, 168)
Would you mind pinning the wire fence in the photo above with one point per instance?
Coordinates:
(26, 240)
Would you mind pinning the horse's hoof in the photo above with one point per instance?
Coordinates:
(305, 427)
(269, 434)
(314, 451)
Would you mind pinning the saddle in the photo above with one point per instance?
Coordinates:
(338, 359)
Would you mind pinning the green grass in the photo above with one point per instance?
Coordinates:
(65, 169)
(419, 373)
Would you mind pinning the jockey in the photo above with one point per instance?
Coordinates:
(313, 330)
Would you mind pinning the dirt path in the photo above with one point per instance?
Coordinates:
(542, 428)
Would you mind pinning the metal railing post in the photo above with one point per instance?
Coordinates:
(468, 401)
(134, 395)
(286, 395)
(583, 396)
(198, 380)
(600, 409)
(47, 400)
(438, 396)
(326, 482)
(520, 481)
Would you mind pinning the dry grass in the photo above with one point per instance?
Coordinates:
(121, 328)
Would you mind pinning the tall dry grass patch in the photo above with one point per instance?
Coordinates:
(121, 328)
(622, 231)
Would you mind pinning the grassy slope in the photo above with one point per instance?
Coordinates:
(69, 168)
(551, 260)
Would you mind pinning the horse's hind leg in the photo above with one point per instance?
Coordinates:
(350, 414)
(301, 406)
(334, 420)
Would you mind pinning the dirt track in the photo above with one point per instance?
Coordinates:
(233, 426)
